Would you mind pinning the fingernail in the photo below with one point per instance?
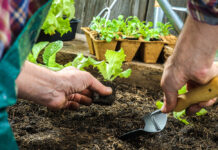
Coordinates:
(109, 90)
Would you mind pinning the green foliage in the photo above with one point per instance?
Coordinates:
(112, 67)
(132, 27)
(49, 54)
(183, 90)
(202, 112)
(59, 16)
(109, 69)
(106, 29)
(129, 27)
(164, 29)
(180, 115)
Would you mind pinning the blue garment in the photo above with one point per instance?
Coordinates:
(10, 67)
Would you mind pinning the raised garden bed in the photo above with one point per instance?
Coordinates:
(99, 127)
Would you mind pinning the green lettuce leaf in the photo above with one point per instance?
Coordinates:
(112, 67)
(59, 16)
(50, 52)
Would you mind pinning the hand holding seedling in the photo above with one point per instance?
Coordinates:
(67, 88)
(192, 63)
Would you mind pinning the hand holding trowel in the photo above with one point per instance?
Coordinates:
(156, 121)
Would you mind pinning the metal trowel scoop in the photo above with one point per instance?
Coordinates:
(156, 121)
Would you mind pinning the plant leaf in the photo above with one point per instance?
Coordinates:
(37, 48)
(50, 51)
(202, 112)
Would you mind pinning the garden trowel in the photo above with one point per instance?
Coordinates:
(156, 121)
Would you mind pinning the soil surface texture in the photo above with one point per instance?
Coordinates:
(99, 127)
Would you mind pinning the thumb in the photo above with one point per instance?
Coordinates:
(98, 87)
(170, 101)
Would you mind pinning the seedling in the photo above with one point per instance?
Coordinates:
(109, 69)
(59, 16)
(49, 54)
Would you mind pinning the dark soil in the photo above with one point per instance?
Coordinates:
(99, 127)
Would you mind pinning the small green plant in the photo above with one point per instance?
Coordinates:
(164, 29)
(109, 69)
(49, 54)
(149, 33)
(107, 30)
(180, 115)
(132, 27)
(59, 16)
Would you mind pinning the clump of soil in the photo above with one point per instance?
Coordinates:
(99, 127)
(105, 100)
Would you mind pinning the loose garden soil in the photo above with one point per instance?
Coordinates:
(99, 127)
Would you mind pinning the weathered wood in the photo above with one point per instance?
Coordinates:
(143, 75)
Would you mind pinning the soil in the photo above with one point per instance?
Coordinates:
(105, 100)
(99, 127)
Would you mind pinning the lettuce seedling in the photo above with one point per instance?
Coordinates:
(37, 48)
(112, 67)
(59, 16)
(181, 114)
(49, 54)
(164, 29)
(107, 30)
(109, 69)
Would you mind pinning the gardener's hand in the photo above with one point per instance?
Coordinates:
(192, 62)
(67, 88)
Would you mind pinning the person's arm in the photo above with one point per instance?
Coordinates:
(192, 61)
(67, 88)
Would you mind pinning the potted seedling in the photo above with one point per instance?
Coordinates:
(87, 32)
(152, 44)
(60, 23)
(129, 31)
(168, 38)
(110, 69)
(103, 36)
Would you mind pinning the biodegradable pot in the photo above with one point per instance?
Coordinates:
(167, 52)
(130, 47)
(66, 37)
(101, 46)
(87, 31)
(150, 50)
(170, 40)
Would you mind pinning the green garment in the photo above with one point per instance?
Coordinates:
(10, 67)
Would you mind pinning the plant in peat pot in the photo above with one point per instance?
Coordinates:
(152, 42)
(103, 36)
(129, 31)
(60, 23)
(109, 69)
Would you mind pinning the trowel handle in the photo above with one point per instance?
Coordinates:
(199, 94)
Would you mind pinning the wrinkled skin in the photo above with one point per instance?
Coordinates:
(67, 88)
(192, 63)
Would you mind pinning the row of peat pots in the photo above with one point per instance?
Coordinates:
(149, 51)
